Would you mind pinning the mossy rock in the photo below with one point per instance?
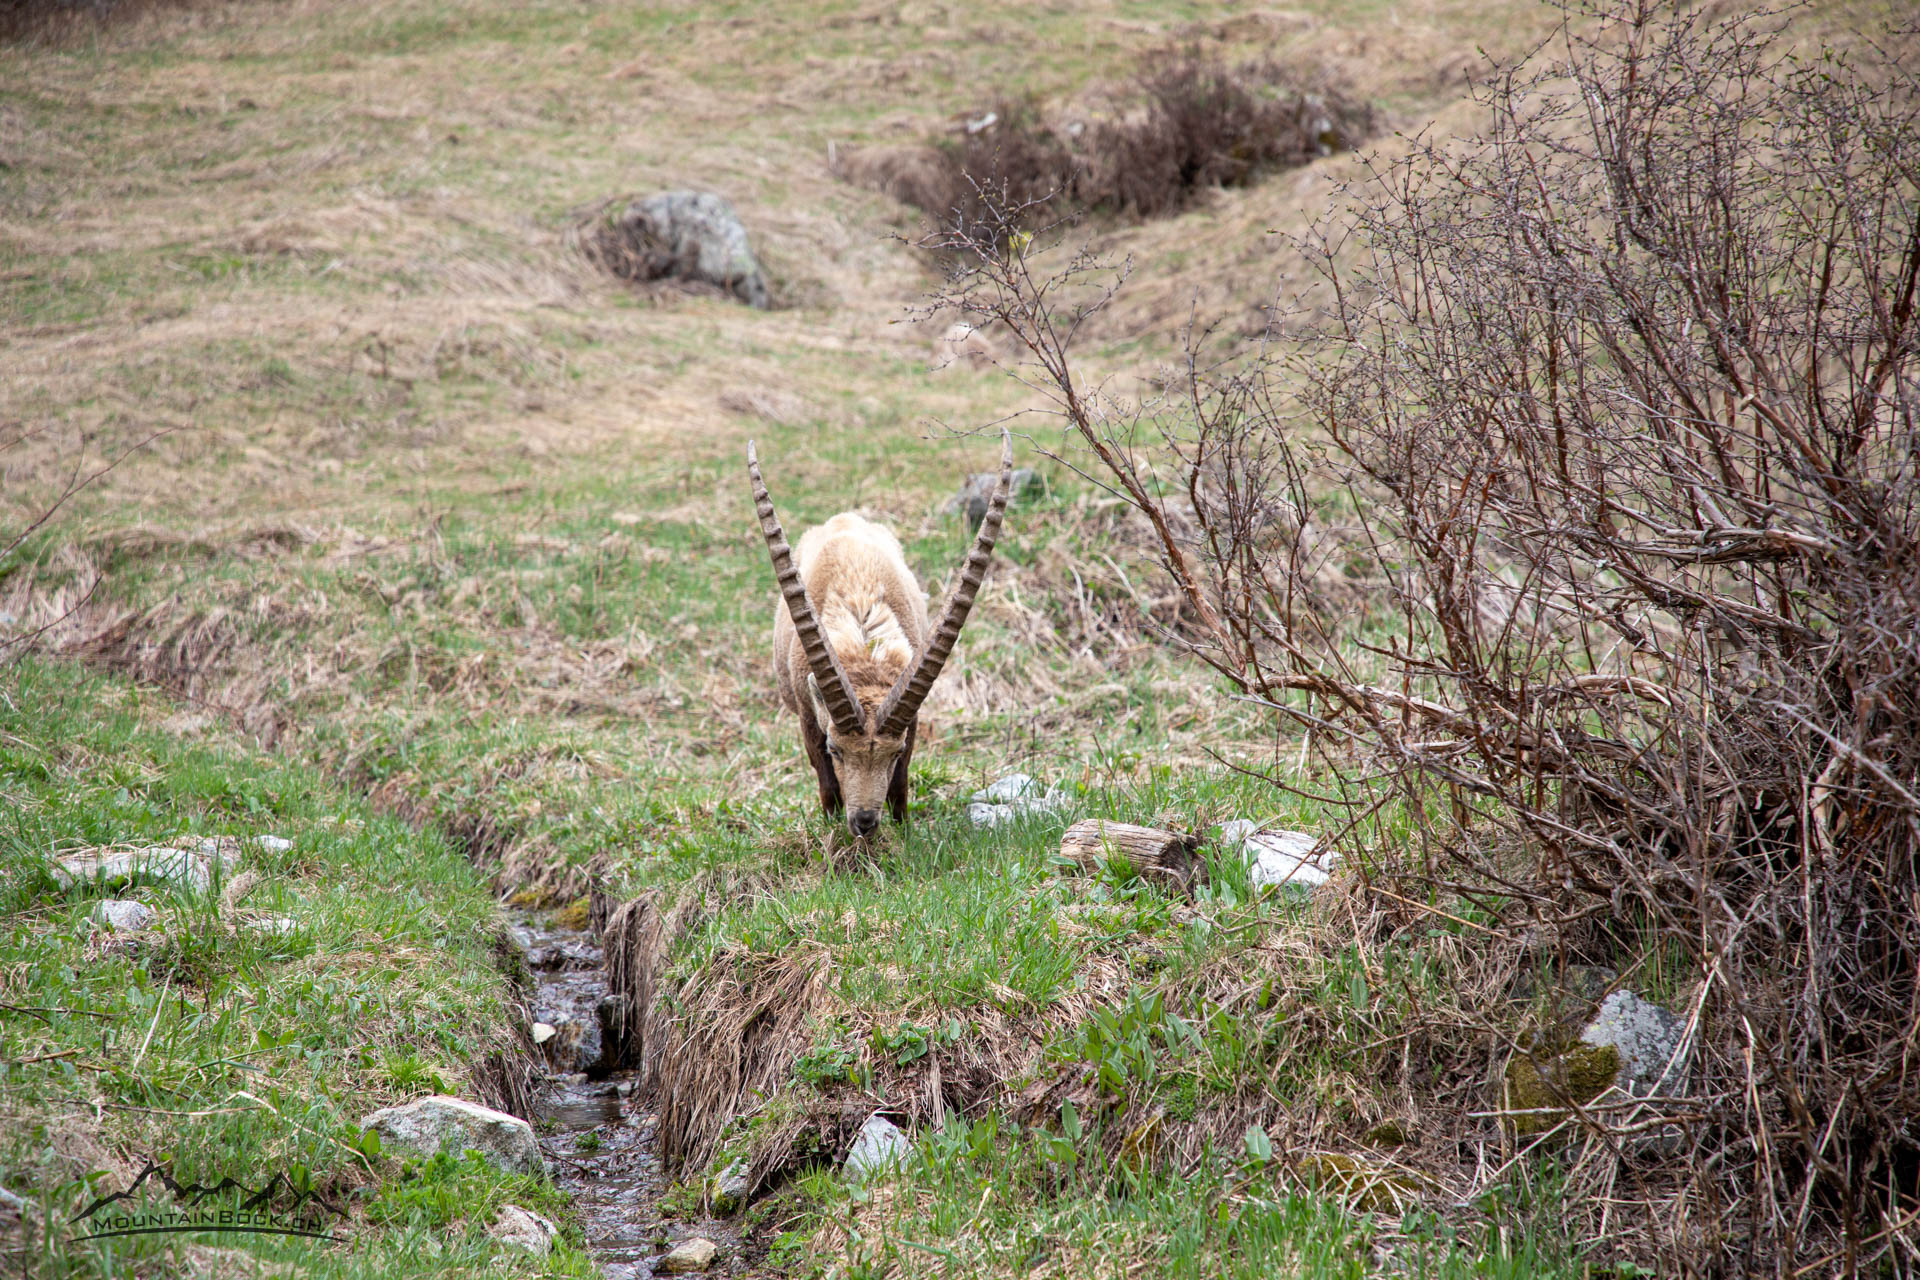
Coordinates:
(1540, 1086)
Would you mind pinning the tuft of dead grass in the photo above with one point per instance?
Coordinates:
(742, 1022)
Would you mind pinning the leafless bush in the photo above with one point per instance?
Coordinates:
(1184, 124)
(53, 20)
(1621, 399)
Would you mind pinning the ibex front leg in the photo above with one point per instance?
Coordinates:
(814, 738)
(897, 785)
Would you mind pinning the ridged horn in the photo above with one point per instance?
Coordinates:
(841, 704)
(903, 701)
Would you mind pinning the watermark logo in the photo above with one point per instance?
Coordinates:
(279, 1208)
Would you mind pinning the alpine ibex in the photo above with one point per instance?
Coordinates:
(851, 650)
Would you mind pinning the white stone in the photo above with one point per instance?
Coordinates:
(118, 915)
(193, 866)
(544, 1031)
(436, 1124)
(1014, 786)
(1292, 858)
(689, 1255)
(1012, 797)
(989, 815)
(523, 1229)
(881, 1143)
(277, 926)
(273, 844)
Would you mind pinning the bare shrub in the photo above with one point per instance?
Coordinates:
(1206, 125)
(1184, 124)
(1620, 401)
(53, 21)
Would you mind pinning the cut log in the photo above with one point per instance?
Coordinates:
(1163, 856)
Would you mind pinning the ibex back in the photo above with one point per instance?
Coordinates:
(852, 653)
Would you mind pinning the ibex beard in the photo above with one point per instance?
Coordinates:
(852, 653)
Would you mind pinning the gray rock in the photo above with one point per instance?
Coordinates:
(691, 235)
(1014, 796)
(731, 1187)
(191, 864)
(1647, 1038)
(976, 494)
(275, 926)
(1015, 786)
(1291, 858)
(881, 1143)
(689, 1255)
(432, 1125)
(273, 844)
(118, 915)
(523, 1229)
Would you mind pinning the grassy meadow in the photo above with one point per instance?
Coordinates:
(412, 538)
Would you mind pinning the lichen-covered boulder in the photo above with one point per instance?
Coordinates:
(1647, 1038)
(432, 1125)
(685, 235)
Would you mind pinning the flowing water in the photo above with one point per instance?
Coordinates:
(597, 1135)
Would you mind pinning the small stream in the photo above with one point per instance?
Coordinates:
(597, 1136)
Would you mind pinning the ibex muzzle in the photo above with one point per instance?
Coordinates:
(851, 650)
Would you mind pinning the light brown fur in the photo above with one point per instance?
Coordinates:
(874, 616)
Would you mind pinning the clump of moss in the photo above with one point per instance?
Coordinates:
(1538, 1085)
(1389, 1133)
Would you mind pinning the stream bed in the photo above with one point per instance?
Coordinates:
(593, 1126)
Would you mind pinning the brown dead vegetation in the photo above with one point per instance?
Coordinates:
(1186, 124)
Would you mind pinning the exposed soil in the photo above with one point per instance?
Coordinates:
(613, 1175)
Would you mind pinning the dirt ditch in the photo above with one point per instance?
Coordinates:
(594, 1127)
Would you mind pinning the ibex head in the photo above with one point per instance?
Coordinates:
(863, 686)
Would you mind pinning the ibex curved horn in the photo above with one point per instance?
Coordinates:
(903, 702)
(834, 691)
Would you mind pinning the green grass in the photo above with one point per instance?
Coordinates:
(987, 1198)
(211, 1046)
(462, 529)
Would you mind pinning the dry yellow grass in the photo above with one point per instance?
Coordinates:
(375, 197)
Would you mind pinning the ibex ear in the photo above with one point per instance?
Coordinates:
(820, 716)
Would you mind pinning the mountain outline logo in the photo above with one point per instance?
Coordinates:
(255, 1212)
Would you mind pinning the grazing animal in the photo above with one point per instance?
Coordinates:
(851, 650)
